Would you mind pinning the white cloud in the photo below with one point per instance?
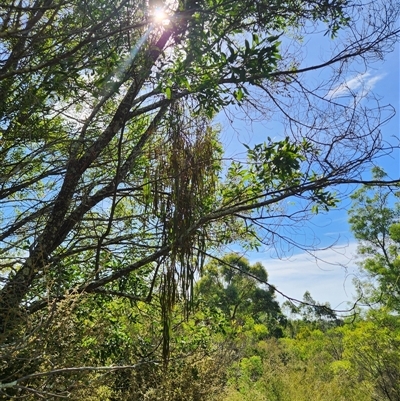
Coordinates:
(327, 275)
(360, 85)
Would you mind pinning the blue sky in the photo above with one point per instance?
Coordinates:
(328, 275)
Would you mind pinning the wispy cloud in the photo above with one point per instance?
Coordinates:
(360, 86)
(327, 274)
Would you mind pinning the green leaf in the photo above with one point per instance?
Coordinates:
(239, 94)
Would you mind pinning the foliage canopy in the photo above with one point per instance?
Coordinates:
(112, 178)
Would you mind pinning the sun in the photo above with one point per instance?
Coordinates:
(160, 16)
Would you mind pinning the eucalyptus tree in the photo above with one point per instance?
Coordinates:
(240, 291)
(110, 166)
(374, 220)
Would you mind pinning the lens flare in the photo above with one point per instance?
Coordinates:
(160, 16)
